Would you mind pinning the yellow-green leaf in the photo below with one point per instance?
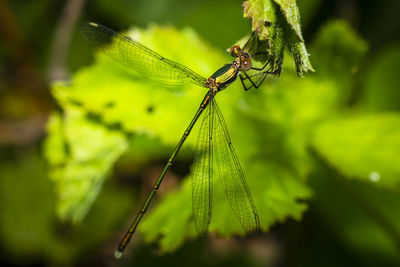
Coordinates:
(278, 22)
(363, 147)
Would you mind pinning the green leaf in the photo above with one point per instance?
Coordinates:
(171, 219)
(359, 214)
(340, 50)
(263, 17)
(275, 193)
(338, 53)
(301, 57)
(270, 129)
(363, 147)
(381, 83)
(80, 171)
(55, 150)
(278, 22)
(106, 104)
(292, 15)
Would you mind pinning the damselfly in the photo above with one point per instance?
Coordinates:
(214, 145)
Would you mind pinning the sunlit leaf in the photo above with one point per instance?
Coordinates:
(275, 192)
(270, 129)
(92, 151)
(278, 22)
(106, 105)
(291, 12)
(363, 147)
(263, 17)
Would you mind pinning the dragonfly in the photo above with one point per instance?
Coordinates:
(214, 146)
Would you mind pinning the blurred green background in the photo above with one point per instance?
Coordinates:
(321, 153)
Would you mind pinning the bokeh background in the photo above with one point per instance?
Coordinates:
(346, 221)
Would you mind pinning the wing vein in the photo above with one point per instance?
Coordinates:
(140, 58)
(202, 175)
(231, 175)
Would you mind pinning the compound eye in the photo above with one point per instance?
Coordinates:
(245, 63)
(235, 51)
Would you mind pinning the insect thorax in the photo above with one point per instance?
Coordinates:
(224, 76)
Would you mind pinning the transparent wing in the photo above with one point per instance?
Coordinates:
(231, 174)
(202, 175)
(138, 57)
